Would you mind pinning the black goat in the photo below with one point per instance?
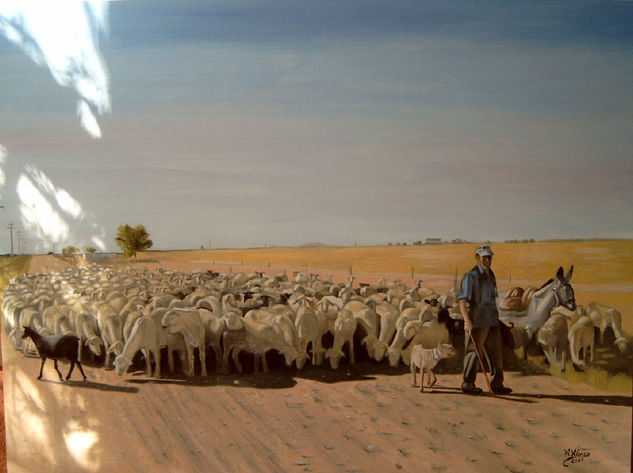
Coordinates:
(56, 348)
(455, 327)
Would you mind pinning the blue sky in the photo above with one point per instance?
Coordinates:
(253, 123)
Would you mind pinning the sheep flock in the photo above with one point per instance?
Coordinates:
(121, 313)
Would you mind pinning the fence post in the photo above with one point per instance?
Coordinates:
(412, 272)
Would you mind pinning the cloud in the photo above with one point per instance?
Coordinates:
(64, 36)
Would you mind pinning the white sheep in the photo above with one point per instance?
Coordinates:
(581, 339)
(187, 322)
(603, 317)
(552, 337)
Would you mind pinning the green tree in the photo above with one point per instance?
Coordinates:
(90, 250)
(70, 250)
(133, 240)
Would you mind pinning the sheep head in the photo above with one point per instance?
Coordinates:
(393, 355)
(121, 364)
(94, 344)
(290, 355)
(334, 356)
(301, 359)
(116, 348)
(622, 343)
(380, 350)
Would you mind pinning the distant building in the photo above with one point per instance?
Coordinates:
(433, 241)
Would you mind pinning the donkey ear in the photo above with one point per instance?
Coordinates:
(571, 270)
(559, 273)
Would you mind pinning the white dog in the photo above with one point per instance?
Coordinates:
(426, 359)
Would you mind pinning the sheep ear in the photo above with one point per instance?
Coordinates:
(233, 323)
(411, 328)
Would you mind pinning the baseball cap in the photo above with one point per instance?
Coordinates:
(484, 250)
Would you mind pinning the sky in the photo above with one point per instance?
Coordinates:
(251, 123)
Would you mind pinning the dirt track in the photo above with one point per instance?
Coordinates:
(365, 418)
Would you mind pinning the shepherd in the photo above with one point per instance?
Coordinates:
(478, 306)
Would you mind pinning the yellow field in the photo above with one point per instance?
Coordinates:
(603, 270)
(11, 266)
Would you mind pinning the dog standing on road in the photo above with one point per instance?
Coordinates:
(426, 359)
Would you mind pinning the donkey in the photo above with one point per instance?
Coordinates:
(555, 292)
(56, 347)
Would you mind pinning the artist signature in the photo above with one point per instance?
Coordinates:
(575, 455)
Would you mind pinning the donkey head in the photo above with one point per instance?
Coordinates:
(562, 289)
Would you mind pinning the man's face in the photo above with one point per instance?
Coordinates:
(485, 261)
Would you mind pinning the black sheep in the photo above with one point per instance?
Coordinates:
(56, 347)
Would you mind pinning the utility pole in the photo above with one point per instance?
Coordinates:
(11, 226)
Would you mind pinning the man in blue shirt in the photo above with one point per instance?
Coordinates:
(478, 305)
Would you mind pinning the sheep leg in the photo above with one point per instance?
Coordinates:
(235, 355)
(81, 370)
(148, 365)
(225, 360)
(157, 362)
(318, 353)
(203, 359)
(421, 379)
(432, 383)
(170, 360)
(61, 378)
(72, 366)
(351, 351)
(42, 367)
(191, 361)
(413, 370)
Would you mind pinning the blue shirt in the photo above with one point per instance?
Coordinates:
(480, 290)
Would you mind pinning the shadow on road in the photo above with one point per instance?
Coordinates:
(606, 400)
(92, 385)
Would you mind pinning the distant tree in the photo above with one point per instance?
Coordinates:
(90, 250)
(70, 250)
(133, 240)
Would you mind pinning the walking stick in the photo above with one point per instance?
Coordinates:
(481, 362)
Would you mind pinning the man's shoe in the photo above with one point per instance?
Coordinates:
(501, 390)
(471, 389)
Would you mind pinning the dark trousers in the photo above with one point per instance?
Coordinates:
(491, 348)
